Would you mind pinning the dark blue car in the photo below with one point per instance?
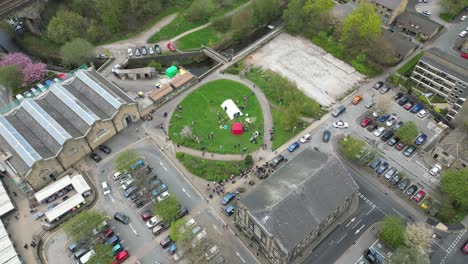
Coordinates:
(293, 146)
(229, 210)
(417, 108)
(227, 198)
(382, 168)
(375, 164)
(420, 139)
(384, 118)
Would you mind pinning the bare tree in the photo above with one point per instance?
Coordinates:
(383, 102)
(419, 236)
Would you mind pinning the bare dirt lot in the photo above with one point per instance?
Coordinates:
(318, 74)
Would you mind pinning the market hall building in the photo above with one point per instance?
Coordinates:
(44, 136)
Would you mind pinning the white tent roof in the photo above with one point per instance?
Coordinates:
(64, 207)
(5, 203)
(46, 192)
(8, 254)
(79, 184)
(231, 108)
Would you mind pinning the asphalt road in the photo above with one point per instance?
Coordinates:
(447, 248)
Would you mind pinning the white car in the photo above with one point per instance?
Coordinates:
(340, 124)
(422, 113)
(463, 18)
(426, 13)
(434, 171)
(463, 34)
(375, 114)
(153, 222)
(116, 68)
(379, 131)
(305, 138)
(163, 196)
(392, 120)
(151, 50)
(369, 104)
(130, 52)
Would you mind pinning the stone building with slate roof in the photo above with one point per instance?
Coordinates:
(286, 213)
(388, 10)
(46, 135)
(452, 151)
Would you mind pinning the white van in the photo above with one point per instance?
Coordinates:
(116, 175)
(105, 188)
(84, 259)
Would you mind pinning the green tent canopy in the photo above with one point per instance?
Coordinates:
(171, 71)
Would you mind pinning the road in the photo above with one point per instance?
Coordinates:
(446, 248)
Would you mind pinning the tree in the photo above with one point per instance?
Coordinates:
(248, 160)
(361, 28)
(455, 184)
(111, 12)
(352, 147)
(265, 10)
(453, 6)
(11, 76)
(77, 51)
(143, 8)
(167, 209)
(201, 10)
(384, 102)
(294, 16)
(65, 26)
(186, 240)
(419, 237)
(102, 254)
(318, 15)
(81, 226)
(407, 133)
(242, 23)
(222, 23)
(156, 65)
(290, 118)
(31, 71)
(125, 159)
(393, 231)
(404, 255)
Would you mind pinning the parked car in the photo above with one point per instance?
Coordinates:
(420, 139)
(463, 34)
(398, 125)
(357, 99)
(391, 121)
(395, 179)
(326, 136)
(165, 242)
(277, 160)
(371, 257)
(340, 124)
(383, 167)
(146, 215)
(408, 105)
(95, 157)
(464, 248)
(392, 142)
(385, 89)
(377, 85)
(398, 95)
(384, 118)
(137, 52)
(416, 108)
(151, 50)
(419, 196)
(387, 135)
(411, 190)
(366, 121)
(338, 111)
(422, 113)
(121, 257)
(372, 127)
(409, 151)
(162, 196)
(104, 149)
(403, 100)
(369, 104)
(390, 173)
(434, 171)
(293, 146)
(105, 188)
(403, 184)
(228, 198)
(112, 240)
(153, 222)
(379, 131)
(426, 13)
(229, 210)
(171, 46)
(375, 164)
(117, 248)
(144, 51)
(159, 228)
(130, 191)
(399, 146)
(130, 52)
(122, 218)
(305, 138)
(182, 212)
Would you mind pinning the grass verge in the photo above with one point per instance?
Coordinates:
(211, 170)
(203, 37)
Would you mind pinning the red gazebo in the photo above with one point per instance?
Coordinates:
(237, 128)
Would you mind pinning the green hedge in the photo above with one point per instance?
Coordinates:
(405, 69)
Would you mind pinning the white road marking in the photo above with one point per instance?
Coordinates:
(352, 220)
(359, 229)
(217, 229)
(337, 242)
(133, 229)
(237, 253)
(185, 192)
(112, 199)
(373, 207)
(143, 207)
(160, 163)
(356, 224)
(453, 245)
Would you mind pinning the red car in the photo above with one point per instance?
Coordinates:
(400, 146)
(419, 196)
(408, 105)
(146, 215)
(464, 248)
(171, 46)
(464, 55)
(367, 121)
(121, 257)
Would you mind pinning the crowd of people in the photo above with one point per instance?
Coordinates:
(263, 171)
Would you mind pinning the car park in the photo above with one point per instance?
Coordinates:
(140, 203)
(372, 127)
(403, 184)
(393, 141)
(409, 151)
(382, 168)
(122, 218)
(391, 121)
(357, 99)
(211, 253)
(408, 105)
(390, 173)
(158, 189)
(420, 139)
(379, 131)
(340, 124)
(416, 108)
(95, 157)
(72, 247)
(162, 196)
(144, 51)
(375, 114)
(171, 46)
(86, 257)
(151, 50)
(165, 242)
(366, 121)
(375, 164)
(422, 113)
(104, 149)
(326, 136)
(305, 138)
(227, 198)
(434, 171)
(137, 52)
(130, 52)
(293, 146)
(399, 146)
(419, 196)
(153, 222)
(377, 85)
(384, 89)
(387, 135)
(411, 190)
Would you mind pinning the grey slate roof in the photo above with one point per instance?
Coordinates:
(293, 201)
(38, 128)
(392, 4)
(456, 144)
(452, 65)
(418, 23)
(398, 42)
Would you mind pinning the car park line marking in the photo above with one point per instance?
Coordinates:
(398, 212)
(112, 199)
(143, 207)
(160, 163)
(133, 229)
(341, 239)
(186, 193)
(453, 245)
(435, 242)
(356, 224)
(217, 229)
(372, 209)
(237, 253)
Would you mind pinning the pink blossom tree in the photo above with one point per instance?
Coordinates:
(31, 71)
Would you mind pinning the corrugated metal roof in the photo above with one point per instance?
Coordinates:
(5, 203)
(64, 207)
(99, 90)
(56, 186)
(8, 254)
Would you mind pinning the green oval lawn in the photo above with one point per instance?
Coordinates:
(200, 116)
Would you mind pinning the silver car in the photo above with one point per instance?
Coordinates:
(390, 173)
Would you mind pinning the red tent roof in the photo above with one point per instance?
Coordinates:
(237, 128)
